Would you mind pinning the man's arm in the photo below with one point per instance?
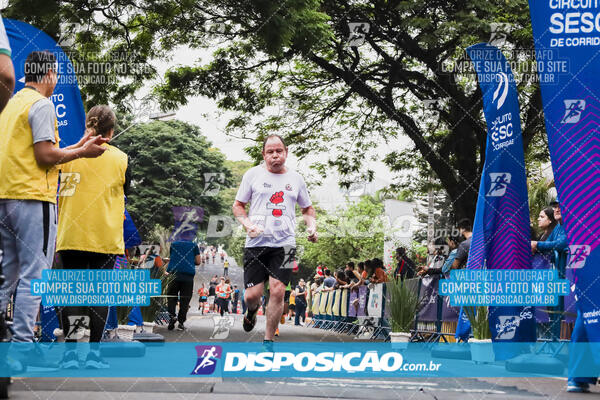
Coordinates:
(310, 219)
(47, 155)
(239, 212)
(197, 259)
(7, 80)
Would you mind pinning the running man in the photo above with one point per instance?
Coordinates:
(273, 191)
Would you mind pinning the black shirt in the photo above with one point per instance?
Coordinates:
(462, 253)
(405, 268)
(301, 299)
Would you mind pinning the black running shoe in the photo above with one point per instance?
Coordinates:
(171, 325)
(249, 320)
(94, 361)
(70, 360)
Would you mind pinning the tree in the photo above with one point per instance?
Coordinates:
(346, 99)
(168, 161)
(227, 194)
(353, 234)
(333, 98)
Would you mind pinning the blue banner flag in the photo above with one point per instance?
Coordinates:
(130, 232)
(501, 232)
(70, 115)
(567, 42)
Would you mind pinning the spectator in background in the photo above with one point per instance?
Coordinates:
(329, 281)
(90, 227)
(321, 270)
(212, 284)
(367, 272)
(226, 268)
(236, 299)
(405, 267)
(286, 301)
(351, 272)
(223, 291)
(553, 235)
(151, 258)
(340, 277)
(300, 294)
(230, 294)
(361, 280)
(292, 305)
(453, 242)
(185, 255)
(202, 297)
(29, 162)
(379, 275)
(316, 285)
(437, 259)
(465, 227)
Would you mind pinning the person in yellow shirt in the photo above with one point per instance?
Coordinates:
(292, 306)
(90, 226)
(29, 155)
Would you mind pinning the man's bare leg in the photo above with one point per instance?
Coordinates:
(252, 296)
(275, 308)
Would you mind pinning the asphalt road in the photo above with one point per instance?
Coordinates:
(199, 328)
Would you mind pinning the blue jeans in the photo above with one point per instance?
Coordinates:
(27, 239)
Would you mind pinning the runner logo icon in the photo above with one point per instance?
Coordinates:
(578, 254)
(573, 110)
(499, 183)
(207, 359)
(77, 326)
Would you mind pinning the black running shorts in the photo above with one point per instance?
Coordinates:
(262, 262)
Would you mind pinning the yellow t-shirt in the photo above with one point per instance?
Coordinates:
(22, 178)
(91, 211)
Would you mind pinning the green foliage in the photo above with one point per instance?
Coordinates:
(344, 101)
(404, 305)
(336, 100)
(236, 246)
(168, 161)
(354, 234)
(227, 194)
(478, 317)
(160, 235)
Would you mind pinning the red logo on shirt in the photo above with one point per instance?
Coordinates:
(276, 200)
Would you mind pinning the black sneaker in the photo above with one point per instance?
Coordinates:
(180, 326)
(70, 360)
(171, 325)
(94, 361)
(249, 320)
(35, 361)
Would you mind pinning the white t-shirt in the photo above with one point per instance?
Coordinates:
(273, 199)
(4, 45)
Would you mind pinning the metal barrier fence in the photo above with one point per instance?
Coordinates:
(359, 312)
